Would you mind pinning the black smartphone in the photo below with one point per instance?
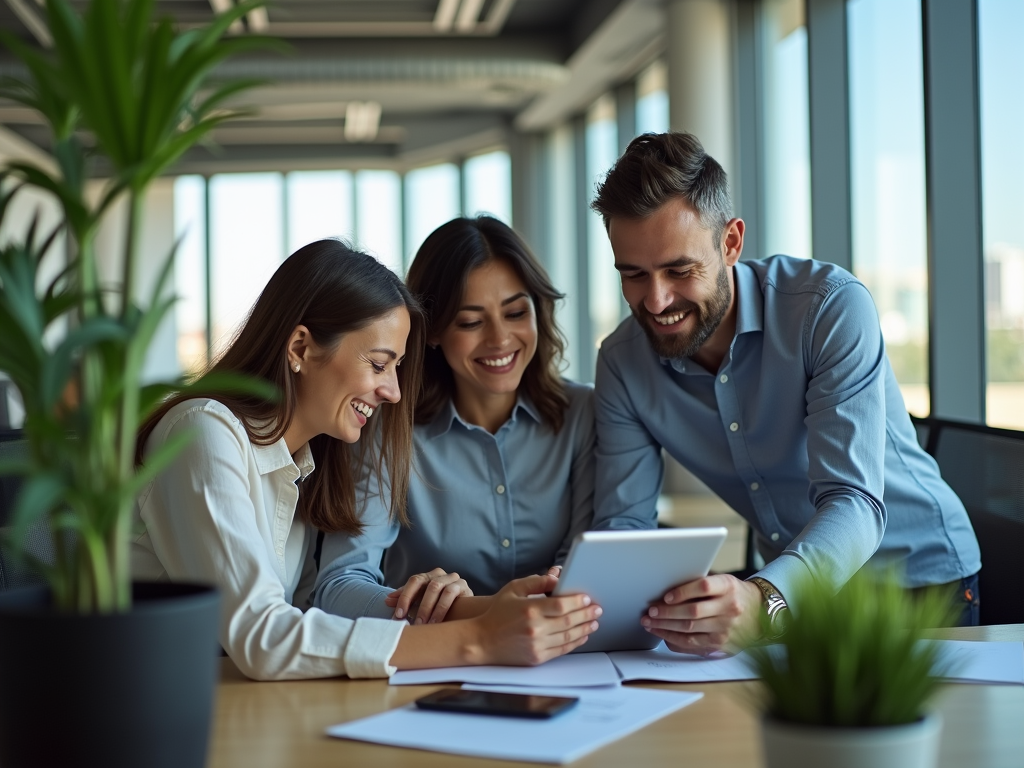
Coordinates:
(489, 703)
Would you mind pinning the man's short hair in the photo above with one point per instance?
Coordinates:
(658, 167)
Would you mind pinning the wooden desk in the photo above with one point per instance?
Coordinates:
(274, 725)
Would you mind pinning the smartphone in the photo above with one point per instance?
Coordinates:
(490, 703)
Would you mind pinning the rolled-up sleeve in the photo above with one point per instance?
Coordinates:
(204, 526)
(845, 443)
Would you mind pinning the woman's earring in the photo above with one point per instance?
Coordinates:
(296, 367)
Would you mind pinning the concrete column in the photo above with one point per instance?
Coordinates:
(700, 81)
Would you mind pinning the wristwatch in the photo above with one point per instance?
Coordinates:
(774, 604)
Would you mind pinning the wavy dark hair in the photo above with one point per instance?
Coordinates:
(332, 290)
(438, 277)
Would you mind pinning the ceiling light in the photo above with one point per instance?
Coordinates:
(445, 15)
(362, 120)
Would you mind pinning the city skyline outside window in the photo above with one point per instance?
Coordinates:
(1001, 67)
(887, 162)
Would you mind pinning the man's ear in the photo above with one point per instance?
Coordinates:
(732, 241)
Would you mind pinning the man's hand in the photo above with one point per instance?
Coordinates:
(707, 615)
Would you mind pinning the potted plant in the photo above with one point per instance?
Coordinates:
(847, 685)
(93, 670)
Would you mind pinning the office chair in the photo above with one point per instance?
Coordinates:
(985, 467)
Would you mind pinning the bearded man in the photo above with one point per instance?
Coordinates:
(769, 381)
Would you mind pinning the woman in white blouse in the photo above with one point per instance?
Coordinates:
(240, 505)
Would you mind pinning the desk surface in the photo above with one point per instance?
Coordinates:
(282, 724)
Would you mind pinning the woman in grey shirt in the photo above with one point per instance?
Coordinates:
(503, 477)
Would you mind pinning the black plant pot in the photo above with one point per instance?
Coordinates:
(128, 690)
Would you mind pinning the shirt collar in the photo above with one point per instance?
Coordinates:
(447, 416)
(270, 458)
(749, 300)
(749, 315)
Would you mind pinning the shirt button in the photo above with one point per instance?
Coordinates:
(723, 378)
(501, 489)
(734, 426)
(775, 537)
(754, 486)
(505, 542)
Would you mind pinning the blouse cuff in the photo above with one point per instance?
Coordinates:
(370, 647)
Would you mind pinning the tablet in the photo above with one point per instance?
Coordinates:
(625, 572)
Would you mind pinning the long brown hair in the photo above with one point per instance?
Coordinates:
(331, 290)
(438, 277)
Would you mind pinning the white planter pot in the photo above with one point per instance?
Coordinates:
(787, 745)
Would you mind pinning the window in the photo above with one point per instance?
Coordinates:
(652, 99)
(888, 181)
(190, 272)
(319, 206)
(1001, 65)
(378, 225)
(787, 130)
(246, 246)
(606, 303)
(488, 181)
(431, 199)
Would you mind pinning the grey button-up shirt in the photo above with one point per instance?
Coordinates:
(802, 431)
(490, 507)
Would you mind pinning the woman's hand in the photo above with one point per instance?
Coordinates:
(523, 630)
(432, 592)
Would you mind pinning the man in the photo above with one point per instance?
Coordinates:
(769, 381)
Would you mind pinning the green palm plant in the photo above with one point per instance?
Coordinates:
(124, 89)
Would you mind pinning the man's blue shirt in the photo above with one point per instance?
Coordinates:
(802, 431)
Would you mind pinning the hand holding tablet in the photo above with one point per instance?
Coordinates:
(626, 572)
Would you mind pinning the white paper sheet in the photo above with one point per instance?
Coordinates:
(982, 662)
(580, 669)
(666, 666)
(602, 716)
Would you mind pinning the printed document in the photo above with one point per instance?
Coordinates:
(578, 669)
(602, 716)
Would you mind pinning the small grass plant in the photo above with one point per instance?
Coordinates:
(854, 658)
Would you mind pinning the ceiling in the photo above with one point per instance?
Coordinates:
(397, 83)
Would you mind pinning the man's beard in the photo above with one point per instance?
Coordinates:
(708, 317)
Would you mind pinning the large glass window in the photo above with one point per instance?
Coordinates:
(431, 199)
(246, 245)
(1001, 61)
(378, 222)
(787, 130)
(888, 181)
(605, 293)
(319, 206)
(652, 99)
(488, 180)
(190, 271)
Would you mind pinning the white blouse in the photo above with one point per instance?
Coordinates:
(223, 513)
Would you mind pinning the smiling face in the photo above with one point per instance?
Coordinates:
(338, 391)
(493, 336)
(676, 279)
